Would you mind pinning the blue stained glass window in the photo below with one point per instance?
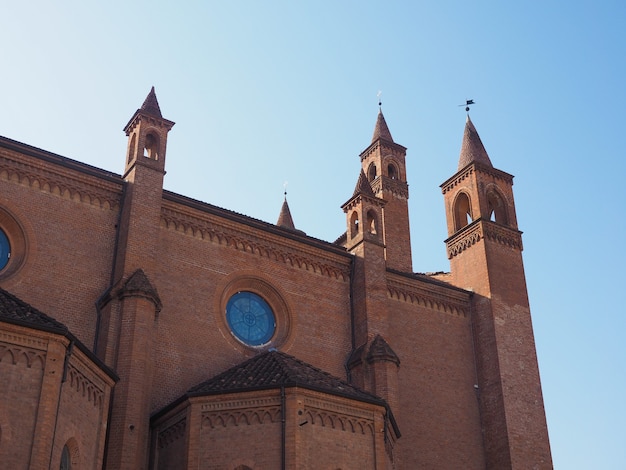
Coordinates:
(250, 318)
(5, 249)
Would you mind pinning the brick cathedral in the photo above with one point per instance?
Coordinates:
(141, 329)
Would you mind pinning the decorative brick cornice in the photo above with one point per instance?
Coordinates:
(439, 298)
(321, 412)
(253, 241)
(382, 144)
(172, 433)
(398, 188)
(59, 181)
(469, 170)
(483, 229)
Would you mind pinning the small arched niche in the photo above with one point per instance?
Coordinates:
(151, 146)
(392, 171)
(462, 211)
(354, 224)
(496, 208)
(371, 172)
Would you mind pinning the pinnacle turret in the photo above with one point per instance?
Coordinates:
(284, 219)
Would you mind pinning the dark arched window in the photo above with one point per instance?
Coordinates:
(496, 208)
(392, 171)
(66, 463)
(371, 172)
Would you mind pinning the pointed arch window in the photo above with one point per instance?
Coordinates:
(462, 211)
(496, 208)
(66, 462)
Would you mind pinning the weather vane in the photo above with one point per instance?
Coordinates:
(467, 104)
(285, 188)
(380, 103)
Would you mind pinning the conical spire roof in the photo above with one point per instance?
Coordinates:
(472, 148)
(381, 130)
(363, 186)
(151, 105)
(284, 219)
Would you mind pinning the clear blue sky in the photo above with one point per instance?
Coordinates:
(275, 91)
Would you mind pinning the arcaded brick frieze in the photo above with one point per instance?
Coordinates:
(57, 180)
(18, 354)
(251, 240)
(338, 416)
(479, 229)
(439, 298)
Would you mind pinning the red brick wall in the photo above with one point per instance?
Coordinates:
(438, 415)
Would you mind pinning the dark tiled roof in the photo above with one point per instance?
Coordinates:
(472, 148)
(275, 369)
(151, 105)
(16, 311)
(381, 130)
(363, 186)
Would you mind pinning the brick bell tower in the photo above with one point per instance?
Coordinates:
(383, 163)
(484, 246)
(130, 307)
(376, 216)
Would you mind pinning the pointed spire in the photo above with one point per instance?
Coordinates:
(472, 149)
(363, 186)
(381, 131)
(284, 219)
(151, 105)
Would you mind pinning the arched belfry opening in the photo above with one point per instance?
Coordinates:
(462, 211)
(392, 171)
(354, 224)
(496, 208)
(131, 148)
(372, 222)
(151, 146)
(371, 172)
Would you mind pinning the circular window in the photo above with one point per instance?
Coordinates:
(5, 249)
(250, 318)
